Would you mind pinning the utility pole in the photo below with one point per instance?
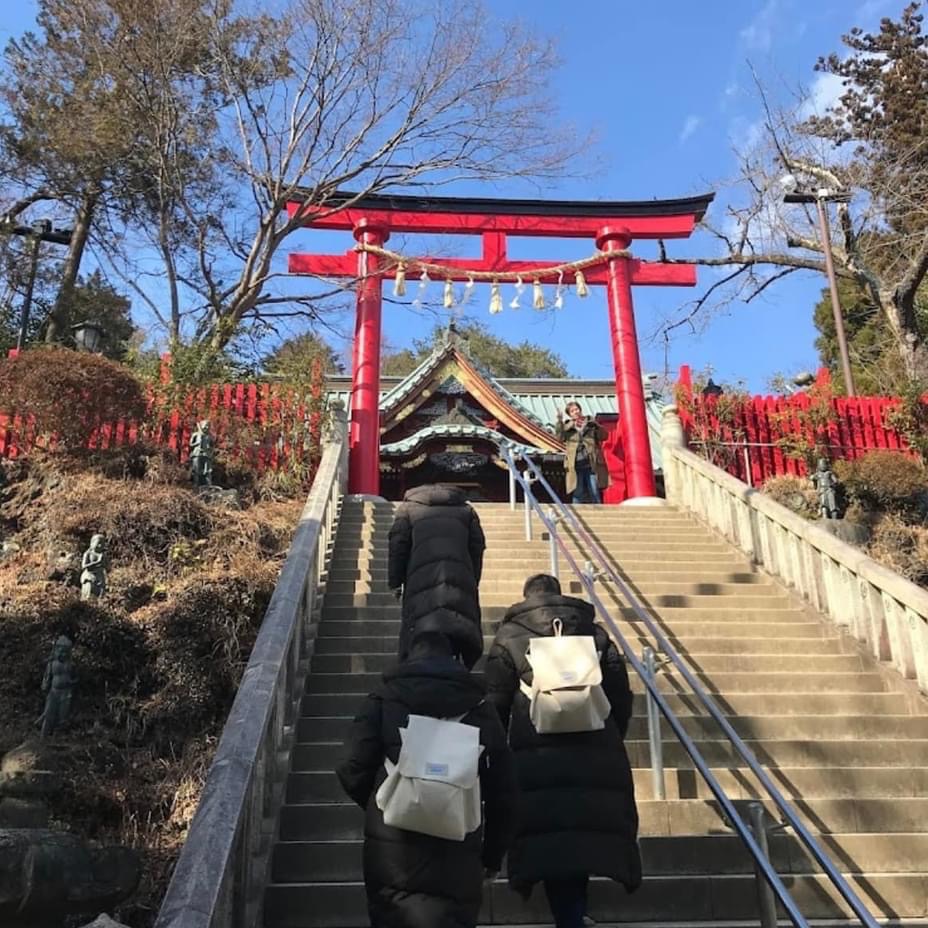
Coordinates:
(820, 198)
(835, 299)
(37, 233)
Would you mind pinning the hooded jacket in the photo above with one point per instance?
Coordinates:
(414, 879)
(577, 804)
(436, 555)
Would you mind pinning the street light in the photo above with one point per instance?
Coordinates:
(794, 194)
(88, 336)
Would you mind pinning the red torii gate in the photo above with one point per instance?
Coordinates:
(612, 225)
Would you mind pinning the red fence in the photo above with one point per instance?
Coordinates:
(765, 436)
(266, 426)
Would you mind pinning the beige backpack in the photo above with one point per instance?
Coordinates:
(434, 787)
(566, 693)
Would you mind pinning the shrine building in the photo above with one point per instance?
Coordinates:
(446, 421)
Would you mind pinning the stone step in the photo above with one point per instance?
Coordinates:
(694, 647)
(684, 899)
(805, 753)
(340, 861)
(851, 728)
(718, 611)
(359, 662)
(617, 548)
(345, 821)
(653, 590)
(592, 520)
(722, 682)
(354, 580)
(658, 593)
(307, 786)
(779, 627)
(498, 537)
(526, 559)
(785, 703)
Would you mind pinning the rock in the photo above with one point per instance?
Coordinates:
(23, 813)
(104, 921)
(64, 565)
(9, 548)
(854, 533)
(46, 876)
(29, 771)
(220, 498)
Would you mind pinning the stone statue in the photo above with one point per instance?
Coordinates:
(93, 570)
(826, 485)
(202, 454)
(58, 685)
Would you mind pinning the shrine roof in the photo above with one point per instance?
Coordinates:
(428, 367)
(543, 396)
(406, 203)
(456, 430)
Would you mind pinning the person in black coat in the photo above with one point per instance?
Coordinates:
(577, 814)
(415, 880)
(436, 556)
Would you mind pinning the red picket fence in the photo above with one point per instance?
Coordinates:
(768, 436)
(267, 426)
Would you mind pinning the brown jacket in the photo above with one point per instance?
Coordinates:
(592, 435)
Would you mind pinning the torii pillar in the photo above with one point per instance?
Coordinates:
(364, 425)
(612, 225)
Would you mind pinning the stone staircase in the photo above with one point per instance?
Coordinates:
(847, 740)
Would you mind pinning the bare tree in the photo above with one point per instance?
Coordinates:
(366, 95)
(880, 239)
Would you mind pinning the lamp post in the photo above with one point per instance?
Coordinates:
(820, 197)
(88, 336)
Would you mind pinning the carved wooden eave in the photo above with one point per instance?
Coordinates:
(424, 382)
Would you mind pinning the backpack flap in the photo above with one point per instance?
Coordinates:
(566, 660)
(565, 695)
(434, 788)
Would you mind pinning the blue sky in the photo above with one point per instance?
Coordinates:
(667, 89)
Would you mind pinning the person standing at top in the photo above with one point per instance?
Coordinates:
(587, 475)
(577, 812)
(435, 562)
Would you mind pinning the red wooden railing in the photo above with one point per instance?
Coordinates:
(268, 426)
(767, 436)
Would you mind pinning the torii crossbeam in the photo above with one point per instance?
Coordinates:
(613, 226)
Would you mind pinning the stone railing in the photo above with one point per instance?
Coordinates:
(886, 612)
(221, 872)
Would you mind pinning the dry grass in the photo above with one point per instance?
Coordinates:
(901, 547)
(796, 493)
(158, 658)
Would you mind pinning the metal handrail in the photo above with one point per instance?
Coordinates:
(744, 832)
(785, 808)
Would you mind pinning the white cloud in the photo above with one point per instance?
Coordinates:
(871, 9)
(758, 33)
(825, 91)
(692, 123)
(745, 134)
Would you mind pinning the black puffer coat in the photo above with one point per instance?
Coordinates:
(415, 880)
(436, 555)
(577, 806)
